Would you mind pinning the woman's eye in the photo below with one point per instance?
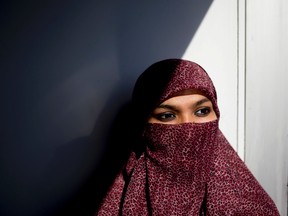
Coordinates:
(202, 112)
(165, 117)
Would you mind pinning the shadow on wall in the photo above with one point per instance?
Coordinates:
(67, 72)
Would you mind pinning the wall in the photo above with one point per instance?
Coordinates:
(266, 100)
(67, 68)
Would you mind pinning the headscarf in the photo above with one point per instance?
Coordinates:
(183, 169)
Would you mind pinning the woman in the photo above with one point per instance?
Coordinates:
(183, 164)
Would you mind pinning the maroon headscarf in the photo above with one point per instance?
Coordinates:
(184, 169)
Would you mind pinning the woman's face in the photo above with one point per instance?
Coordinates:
(193, 108)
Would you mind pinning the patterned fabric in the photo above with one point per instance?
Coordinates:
(184, 169)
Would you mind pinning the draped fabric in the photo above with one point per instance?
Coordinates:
(184, 169)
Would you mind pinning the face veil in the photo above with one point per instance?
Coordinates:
(178, 159)
(184, 169)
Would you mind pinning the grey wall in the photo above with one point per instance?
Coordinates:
(67, 68)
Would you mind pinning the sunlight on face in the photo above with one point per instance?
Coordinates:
(193, 108)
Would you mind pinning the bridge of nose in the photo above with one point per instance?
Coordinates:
(186, 117)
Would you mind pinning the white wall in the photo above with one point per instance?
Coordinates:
(266, 99)
(243, 46)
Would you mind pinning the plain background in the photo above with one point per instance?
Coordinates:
(66, 69)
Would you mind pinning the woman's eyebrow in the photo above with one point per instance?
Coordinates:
(166, 106)
(200, 102)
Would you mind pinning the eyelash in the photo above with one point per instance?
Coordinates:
(206, 109)
(165, 117)
(169, 116)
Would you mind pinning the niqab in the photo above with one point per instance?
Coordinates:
(183, 169)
